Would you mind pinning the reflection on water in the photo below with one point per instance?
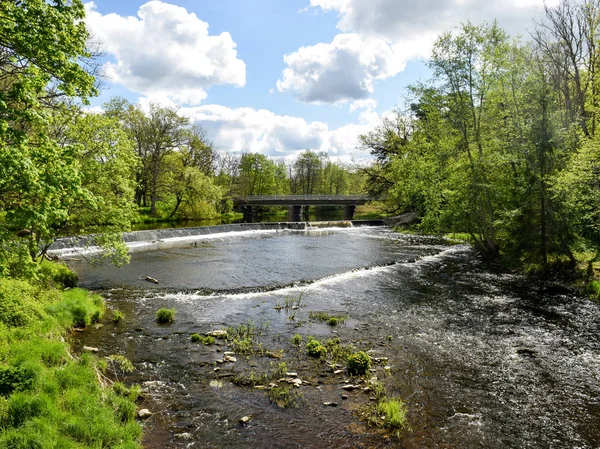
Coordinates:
(484, 359)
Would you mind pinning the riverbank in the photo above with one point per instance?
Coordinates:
(49, 396)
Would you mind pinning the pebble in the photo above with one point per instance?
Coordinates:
(338, 371)
(245, 419)
(344, 396)
(219, 333)
(229, 358)
(330, 404)
(90, 349)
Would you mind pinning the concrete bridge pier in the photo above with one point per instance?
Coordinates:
(295, 213)
(349, 212)
(247, 211)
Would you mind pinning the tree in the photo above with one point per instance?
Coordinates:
(41, 43)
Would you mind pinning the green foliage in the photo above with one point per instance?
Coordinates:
(164, 315)
(314, 348)
(593, 289)
(359, 363)
(208, 340)
(58, 274)
(18, 304)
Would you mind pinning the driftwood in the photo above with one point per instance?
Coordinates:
(149, 279)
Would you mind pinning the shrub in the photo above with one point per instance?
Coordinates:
(19, 378)
(314, 348)
(78, 307)
(359, 363)
(196, 338)
(394, 414)
(164, 315)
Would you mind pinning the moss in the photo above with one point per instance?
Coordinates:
(196, 338)
(208, 340)
(118, 316)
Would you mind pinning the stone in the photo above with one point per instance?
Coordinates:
(350, 387)
(90, 349)
(291, 374)
(330, 404)
(228, 353)
(144, 413)
(219, 333)
(338, 371)
(229, 359)
(245, 419)
(344, 396)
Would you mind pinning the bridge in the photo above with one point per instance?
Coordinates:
(299, 203)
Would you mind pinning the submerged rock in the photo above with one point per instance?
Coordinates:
(330, 404)
(90, 349)
(219, 333)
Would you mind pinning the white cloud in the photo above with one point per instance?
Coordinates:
(402, 19)
(262, 131)
(381, 36)
(342, 70)
(369, 104)
(166, 53)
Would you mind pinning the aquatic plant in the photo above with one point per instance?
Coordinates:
(208, 340)
(332, 320)
(118, 316)
(297, 340)
(284, 396)
(164, 315)
(314, 348)
(359, 363)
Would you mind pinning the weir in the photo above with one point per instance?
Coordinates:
(157, 235)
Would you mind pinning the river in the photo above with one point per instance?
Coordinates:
(482, 358)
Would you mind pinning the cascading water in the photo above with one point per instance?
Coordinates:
(482, 358)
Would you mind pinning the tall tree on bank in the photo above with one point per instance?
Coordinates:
(41, 43)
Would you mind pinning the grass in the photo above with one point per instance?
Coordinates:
(49, 397)
(164, 315)
(393, 414)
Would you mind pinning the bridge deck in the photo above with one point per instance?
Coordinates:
(302, 200)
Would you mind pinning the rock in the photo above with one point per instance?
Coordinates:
(404, 219)
(219, 333)
(90, 349)
(291, 374)
(372, 398)
(260, 387)
(229, 359)
(387, 367)
(338, 371)
(216, 384)
(144, 413)
(245, 419)
(350, 387)
(296, 383)
(228, 353)
(330, 404)
(216, 369)
(344, 396)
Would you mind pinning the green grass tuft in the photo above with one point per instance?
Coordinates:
(164, 315)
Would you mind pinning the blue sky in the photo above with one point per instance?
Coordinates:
(275, 76)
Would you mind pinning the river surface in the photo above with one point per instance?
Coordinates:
(482, 358)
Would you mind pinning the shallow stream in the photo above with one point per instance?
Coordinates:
(482, 358)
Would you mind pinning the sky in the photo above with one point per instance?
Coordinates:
(278, 77)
